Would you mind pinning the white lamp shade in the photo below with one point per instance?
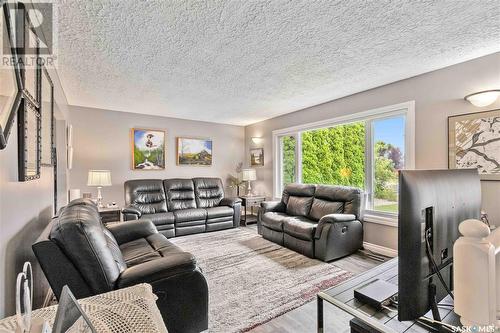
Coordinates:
(249, 174)
(483, 98)
(99, 178)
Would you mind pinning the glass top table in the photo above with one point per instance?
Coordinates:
(342, 297)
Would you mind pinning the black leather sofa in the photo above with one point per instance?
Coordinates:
(77, 250)
(319, 221)
(181, 206)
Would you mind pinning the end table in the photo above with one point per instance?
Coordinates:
(110, 214)
(250, 201)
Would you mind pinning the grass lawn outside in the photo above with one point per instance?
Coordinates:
(389, 208)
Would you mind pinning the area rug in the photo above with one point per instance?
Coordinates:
(252, 280)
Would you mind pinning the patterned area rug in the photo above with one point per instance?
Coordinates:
(252, 280)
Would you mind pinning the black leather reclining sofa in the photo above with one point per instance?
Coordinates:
(77, 250)
(319, 221)
(181, 206)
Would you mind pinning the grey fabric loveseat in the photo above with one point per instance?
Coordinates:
(319, 221)
(181, 206)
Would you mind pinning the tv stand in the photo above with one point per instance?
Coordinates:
(433, 302)
(369, 320)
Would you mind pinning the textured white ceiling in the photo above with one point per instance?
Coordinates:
(239, 62)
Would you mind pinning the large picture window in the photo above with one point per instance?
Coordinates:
(288, 144)
(388, 158)
(365, 150)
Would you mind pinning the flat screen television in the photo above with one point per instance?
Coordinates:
(432, 203)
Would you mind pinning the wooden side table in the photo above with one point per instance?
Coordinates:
(250, 201)
(112, 214)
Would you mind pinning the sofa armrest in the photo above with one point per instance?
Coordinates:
(131, 213)
(131, 230)
(235, 204)
(156, 270)
(333, 218)
(268, 206)
(272, 206)
(231, 202)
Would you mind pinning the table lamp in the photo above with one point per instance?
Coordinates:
(99, 178)
(248, 175)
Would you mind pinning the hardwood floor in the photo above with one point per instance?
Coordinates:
(303, 318)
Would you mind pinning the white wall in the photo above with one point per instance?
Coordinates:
(437, 96)
(101, 140)
(25, 209)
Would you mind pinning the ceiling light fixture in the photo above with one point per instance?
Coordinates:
(483, 98)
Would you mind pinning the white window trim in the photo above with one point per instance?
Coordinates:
(406, 108)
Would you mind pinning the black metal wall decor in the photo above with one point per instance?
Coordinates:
(10, 75)
(32, 70)
(29, 141)
(29, 115)
(47, 118)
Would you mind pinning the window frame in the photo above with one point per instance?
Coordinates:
(406, 109)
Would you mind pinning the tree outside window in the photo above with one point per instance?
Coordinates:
(337, 156)
(334, 155)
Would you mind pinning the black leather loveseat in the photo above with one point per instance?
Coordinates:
(77, 250)
(319, 221)
(181, 206)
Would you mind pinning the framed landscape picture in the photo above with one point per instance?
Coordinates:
(194, 151)
(148, 149)
(257, 157)
(474, 142)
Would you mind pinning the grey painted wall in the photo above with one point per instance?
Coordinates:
(25, 209)
(437, 95)
(101, 140)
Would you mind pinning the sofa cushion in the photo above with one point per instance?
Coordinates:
(115, 250)
(213, 226)
(146, 249)
(351, 197)
(155, 271)
(147, 195)
(273, 220)
(79, 233)
(158, 242)
(160, 218)
(83, 202)
(138, 251)
(219, 219)
(297, 190)
(322, 207)
(299, 227)
(188, 215)
(299, 206)
(209, 192)
(221, 211)
(180, 194)
(165, 227)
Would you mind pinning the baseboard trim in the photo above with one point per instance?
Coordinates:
(386, 251)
